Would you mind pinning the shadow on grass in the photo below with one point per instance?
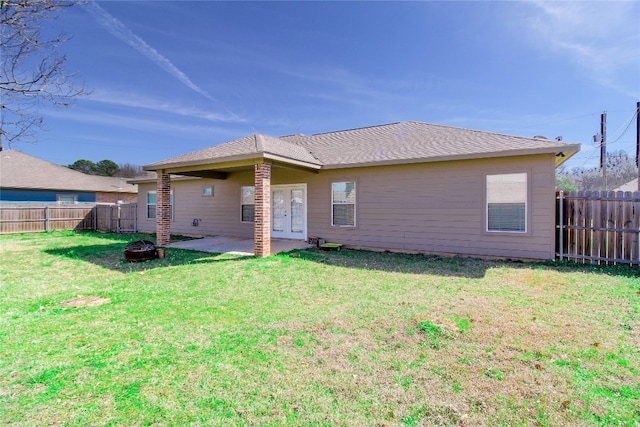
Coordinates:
(622, 270)
(111, 256)
(401, 263)
(130, 237)
(459, 266)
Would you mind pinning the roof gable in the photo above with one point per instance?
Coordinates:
(252, 146)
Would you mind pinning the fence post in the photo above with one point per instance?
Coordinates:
(118, 218)
(47, 214)
(561, 227)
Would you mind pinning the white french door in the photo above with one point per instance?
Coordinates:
(289, 211)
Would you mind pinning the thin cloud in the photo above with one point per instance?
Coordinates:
(119, 30)
(601, 37)
(112, 97)
(135, 123)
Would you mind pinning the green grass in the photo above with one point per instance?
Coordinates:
(310, 338)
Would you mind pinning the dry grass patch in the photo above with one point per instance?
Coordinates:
(85, 301)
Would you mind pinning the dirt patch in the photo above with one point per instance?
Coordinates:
(90, 301)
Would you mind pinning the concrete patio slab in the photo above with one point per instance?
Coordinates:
(237, 246)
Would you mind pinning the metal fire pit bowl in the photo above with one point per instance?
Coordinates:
(141, 250)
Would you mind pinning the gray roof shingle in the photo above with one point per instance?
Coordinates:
(248, 147)
(395, 143)
(407, 142)
(19, 170)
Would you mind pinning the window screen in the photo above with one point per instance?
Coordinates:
(343, 204)
(248, 210)
(507, 202)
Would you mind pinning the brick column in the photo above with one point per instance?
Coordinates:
(163, 208)
(262, 231)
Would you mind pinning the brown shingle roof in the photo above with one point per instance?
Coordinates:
(395, 143)
(19, 170)
(409, 142)
(251, 146)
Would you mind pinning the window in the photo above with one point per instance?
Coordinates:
(207, 191)
(248, 204)
(152, 202)
(66, 199)
(507, 202)
(343, 204)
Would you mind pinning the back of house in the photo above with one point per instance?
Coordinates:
(405, 186)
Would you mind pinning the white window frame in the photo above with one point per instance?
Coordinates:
(495, 197)
(243, 204)
(65, 199)
(156, 205)
(207, 191)
(355, 203)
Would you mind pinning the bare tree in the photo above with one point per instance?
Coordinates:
(32, 70)
(129, 170)
(620, 170)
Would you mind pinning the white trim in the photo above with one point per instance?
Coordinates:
(243, 204)
(355, 203)
(518, 200)
(59, 198)
(147, 204)
(207, 191)
(303, 187)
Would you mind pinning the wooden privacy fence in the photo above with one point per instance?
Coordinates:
(118, 218)
(598, 227)
(39, 218)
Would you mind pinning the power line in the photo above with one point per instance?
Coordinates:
(627, 126)
(626, 129)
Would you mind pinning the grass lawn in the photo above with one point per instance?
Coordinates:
(310, 338)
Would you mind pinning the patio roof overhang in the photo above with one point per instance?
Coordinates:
(220, 168)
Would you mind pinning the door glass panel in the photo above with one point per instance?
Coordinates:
(297, 211)
(277, 199)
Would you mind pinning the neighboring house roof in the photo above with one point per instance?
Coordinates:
(19, 170)
(395, 143)
(629, 186)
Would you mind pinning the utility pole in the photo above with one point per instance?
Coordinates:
(603, 147)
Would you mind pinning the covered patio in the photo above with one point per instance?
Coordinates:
(258, 152)
(237, 245)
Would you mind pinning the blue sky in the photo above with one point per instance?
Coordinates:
(169, 77)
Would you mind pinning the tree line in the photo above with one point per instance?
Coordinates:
(107, 168)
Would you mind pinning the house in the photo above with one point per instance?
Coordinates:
(629, 186)
(405, 186)
(28, 179)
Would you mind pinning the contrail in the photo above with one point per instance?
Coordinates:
(118, 29)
